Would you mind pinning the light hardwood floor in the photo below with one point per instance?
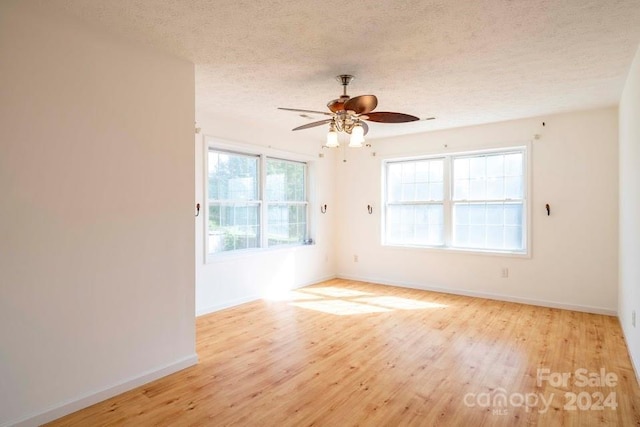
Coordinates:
(345, 353)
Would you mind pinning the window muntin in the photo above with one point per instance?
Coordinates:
(255, 201)
(464, 201)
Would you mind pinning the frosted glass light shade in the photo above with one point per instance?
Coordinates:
(357, 137)
(332, 139)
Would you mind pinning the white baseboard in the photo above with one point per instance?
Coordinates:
(254, 297)
(93, 398)
(316, 281)
(226, 304)
(487, 295)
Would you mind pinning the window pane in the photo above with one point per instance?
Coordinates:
(436, 171)
(232, 176)
(488, 177)
(422, 171)
(495, 188)
(461, 169)
(476, 236)
(422, 192)
(415, 224)
(285, 181)
(233, 227)
(513, 164)
(495, 236)
(477, 214)
(495, 214)
(513, 187)
(477, 167)
(436, 191)
(461, 189)
(461, 214)
(286, 224)
(513, 238)
(477, 189)
(415, 181)
(408, 191)
(495, 166)
(513, 214)
(461, 235)
(494, 225)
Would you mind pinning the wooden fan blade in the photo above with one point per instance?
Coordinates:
(326, 113)
(336, 105)
(389, 117)
(361, 104)
(312, 125)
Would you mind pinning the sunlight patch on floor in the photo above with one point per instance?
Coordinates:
(331, 291)
(344, 301)
(340, 307)
(400, 303)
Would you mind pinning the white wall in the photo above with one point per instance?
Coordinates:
(574, 251)
(96, 201)
(231, 279)
(629, 291)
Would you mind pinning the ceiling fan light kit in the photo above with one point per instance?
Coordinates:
(348, 115)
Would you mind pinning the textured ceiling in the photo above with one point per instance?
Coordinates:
(465, 62)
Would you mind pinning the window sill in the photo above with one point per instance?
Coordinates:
(443, 249)
(214, 258)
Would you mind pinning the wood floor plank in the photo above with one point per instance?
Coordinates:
(357, 354)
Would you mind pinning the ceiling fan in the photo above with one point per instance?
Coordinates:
(349, 114)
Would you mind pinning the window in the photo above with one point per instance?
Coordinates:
(415, 202)
(234, 203)
(243, 201)
(488, 201)
(470, 201)
(286, 202)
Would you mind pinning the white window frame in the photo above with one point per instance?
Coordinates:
(263, 153)
(267, 203)
(448, 202)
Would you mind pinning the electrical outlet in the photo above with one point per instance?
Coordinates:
(633, 318)
(355, 258)
(504, 273)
